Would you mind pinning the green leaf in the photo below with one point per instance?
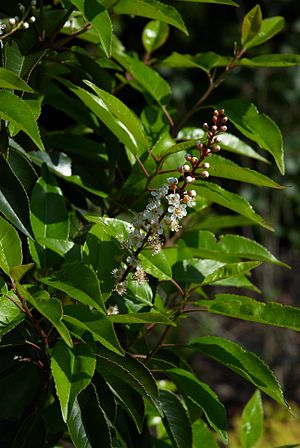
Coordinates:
(17, 112)
(214, 222)
(115, 115)
(49, 218)
(258, 127)
(72, 370)
(202, 396)
(139, 292)
(31, 433)
(203, 61)
(252, 421)
(80, 282)
(129, 370)
(8, 80)
(141, 318)
(148, 78)
(18, 272)
(14, 203)
(271, 60)
(21, 167)
(51, 309)
(10, 314)
(156, 265)
(203, 436)
(176, 420)
(244, 363)
(16, 62)
(245, 308)
(219, 2)
(87, 423)
(10, 247)
(151, 9)
(100, 19)
(207, 246)
(224, 168)
(251, 25)
(154, 35)
(269, 28)
(95, 323)
(233, 201)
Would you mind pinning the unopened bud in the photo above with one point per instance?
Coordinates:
(26, 25)
(21, 7)
(216, 113)
(204, 174)
(186, 167)
(216, 148)
(223, 128)
(217, 139)
(214, 128)
(185, 199)
(189, 179)
(206, 165)
(172, 180)
(180, 169)
(221, 111)
(188, 157)
(200, 145)
(194, 160)
(12, 21)
(192, 193)
(224, 119)
(205, 126)
(207, 152)
(214, 119)
(32, 19)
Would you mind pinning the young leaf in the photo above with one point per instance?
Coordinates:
(251, 25)
(14, 203)
(8, 80)
(10, 247)
(201, 395)
(269, 28)
(72, 370)
(10, 314)
(156, 265)
(154, 35)
(95, 323)
(203, 61)
(80, 282)
(17, 112)
(272, 60)
(141, 318)
(252, 421)
(233, 201)
(176, 420)
(258, 127)
(246, 364)
(152, 9)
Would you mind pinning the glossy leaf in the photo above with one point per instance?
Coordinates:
(18, 272)
(258, 127)
(154, 35)
(72, 370)
(203, 436)
(95, 323)
(233, 201)
(14, 203)
(149, 79)
(207, 246)
(17, 112)
(176, 420)
(141, 318)
(219, 2)
(80, 282)
(201, 395)
(10, 247)
(139, 292)
(252, 421)
(272, 60)
(203, 61)
(51, 308)
(269, 28)
(8, 80)
(87, 423)
(245, 308)
(21, 167)
(225, 168)
(18, 63)
(10, 313)
(152, 9)
(156, 265)
(251, 25)
(246, 364)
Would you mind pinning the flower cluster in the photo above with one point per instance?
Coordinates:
(168, 206)
(16, 23)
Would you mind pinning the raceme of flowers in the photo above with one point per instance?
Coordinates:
(167, 207)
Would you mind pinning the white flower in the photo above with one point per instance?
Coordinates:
(177, 211)
(173, 199)
(118, 273)
(112, 309)
(139, 274)
(120, 288)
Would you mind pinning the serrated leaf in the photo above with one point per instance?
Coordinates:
(245, 308)
(14, 203)
(252, 421)
(233, 201)
(10, 247)
(51, 309)
(203, 61)
(224, 168)
(258, 127)
(151, 9)
(19, 64)
(8, 80)
(203, 396)
(17, 112)
(251, 25)
(10, 314)
(269, 28)
(271, 60)
(156, 265)
(154, 35)
(80, 282)
(176, 420)
(72, 370)
(141, 318)
(203, 436)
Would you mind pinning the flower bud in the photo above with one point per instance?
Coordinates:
(200, 145)
(12, 21)
(189, 179)
(206, 165)
(204, 174)
(215, 119)
(214, 128)
(207, 152)
(185, 199)
(186, 168)
(216, 148)
(180, 169)
(223, 128)
(205, 126)
(224, 119)
(172, 180)
(26, 25)
(32, 19)
(192, 193)
(188, 157)
(194, 160)
(216, 113)
(217, 139)
(221, 111)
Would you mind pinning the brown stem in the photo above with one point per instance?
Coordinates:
(60, 25)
